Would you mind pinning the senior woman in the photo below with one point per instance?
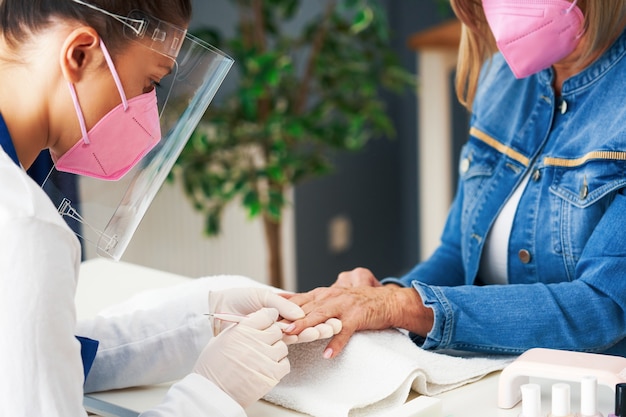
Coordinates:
(533, 252)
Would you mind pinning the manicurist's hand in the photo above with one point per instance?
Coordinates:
(324, 330)
(244, 301)
(362, 308)
(248, 359)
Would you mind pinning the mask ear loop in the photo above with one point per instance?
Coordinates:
(118, 83)
(116, 77)
(568, 10)
(79, 113)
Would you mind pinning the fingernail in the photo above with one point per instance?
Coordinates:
(328, 353)
(290, 328)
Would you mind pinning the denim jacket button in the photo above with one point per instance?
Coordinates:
(584, 191)
(536, 175)
(524, 256)
(465, 164)
(563, 107)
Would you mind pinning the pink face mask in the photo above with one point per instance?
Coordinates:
(119, 140)
(534, 34)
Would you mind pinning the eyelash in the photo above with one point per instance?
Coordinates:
(156, 84)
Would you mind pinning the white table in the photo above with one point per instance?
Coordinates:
(103, 283)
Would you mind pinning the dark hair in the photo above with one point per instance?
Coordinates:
(20, 19)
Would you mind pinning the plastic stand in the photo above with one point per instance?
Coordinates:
(559, 365)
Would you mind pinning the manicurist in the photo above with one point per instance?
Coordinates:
(79, 78)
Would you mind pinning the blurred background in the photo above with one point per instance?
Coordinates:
(364, 211)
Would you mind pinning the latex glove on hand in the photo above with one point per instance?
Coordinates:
(245, 301)
(320, 331)
(248, 359)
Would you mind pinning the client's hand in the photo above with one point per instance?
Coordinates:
(244, 301)
(361, 308)
(248, 359)
(358, 277)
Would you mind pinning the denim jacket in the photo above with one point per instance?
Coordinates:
(567, 249)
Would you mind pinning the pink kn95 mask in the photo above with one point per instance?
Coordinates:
(119, 140)
(534, 34)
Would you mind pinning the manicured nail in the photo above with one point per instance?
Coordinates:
(290, 328)
(328, 353)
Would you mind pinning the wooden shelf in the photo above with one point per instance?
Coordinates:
(444, 36)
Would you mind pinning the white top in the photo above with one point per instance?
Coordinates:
(494, 259)
(42, 372)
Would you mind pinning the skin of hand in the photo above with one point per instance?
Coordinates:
(358, 277)
(360, 304)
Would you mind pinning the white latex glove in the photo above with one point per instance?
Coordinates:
(248, 359)
(244, 301)
(322, 331)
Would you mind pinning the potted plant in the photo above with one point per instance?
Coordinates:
(299, 97)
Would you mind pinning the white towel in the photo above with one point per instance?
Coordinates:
(373, 374)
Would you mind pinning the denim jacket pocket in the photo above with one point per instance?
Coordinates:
(476, 166)
(580, 196)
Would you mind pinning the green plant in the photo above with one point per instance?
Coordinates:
(444, 8)
(299, 97)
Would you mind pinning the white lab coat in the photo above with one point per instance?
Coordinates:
(41, 372)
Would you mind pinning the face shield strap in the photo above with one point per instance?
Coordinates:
(156, 34)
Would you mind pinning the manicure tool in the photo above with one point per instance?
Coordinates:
(236, 318)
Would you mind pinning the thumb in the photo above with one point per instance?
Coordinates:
(286, 308)
(261, 319)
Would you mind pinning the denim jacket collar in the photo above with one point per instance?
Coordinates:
(589, 75)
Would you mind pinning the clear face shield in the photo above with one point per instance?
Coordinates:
(107, 213)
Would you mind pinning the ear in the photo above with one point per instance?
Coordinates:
(78, 52)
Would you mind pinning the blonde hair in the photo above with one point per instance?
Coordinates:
(604, 20)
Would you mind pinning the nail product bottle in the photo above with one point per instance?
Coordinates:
(531, 400)
(589, 397)
(561, 400)
(620, 401)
